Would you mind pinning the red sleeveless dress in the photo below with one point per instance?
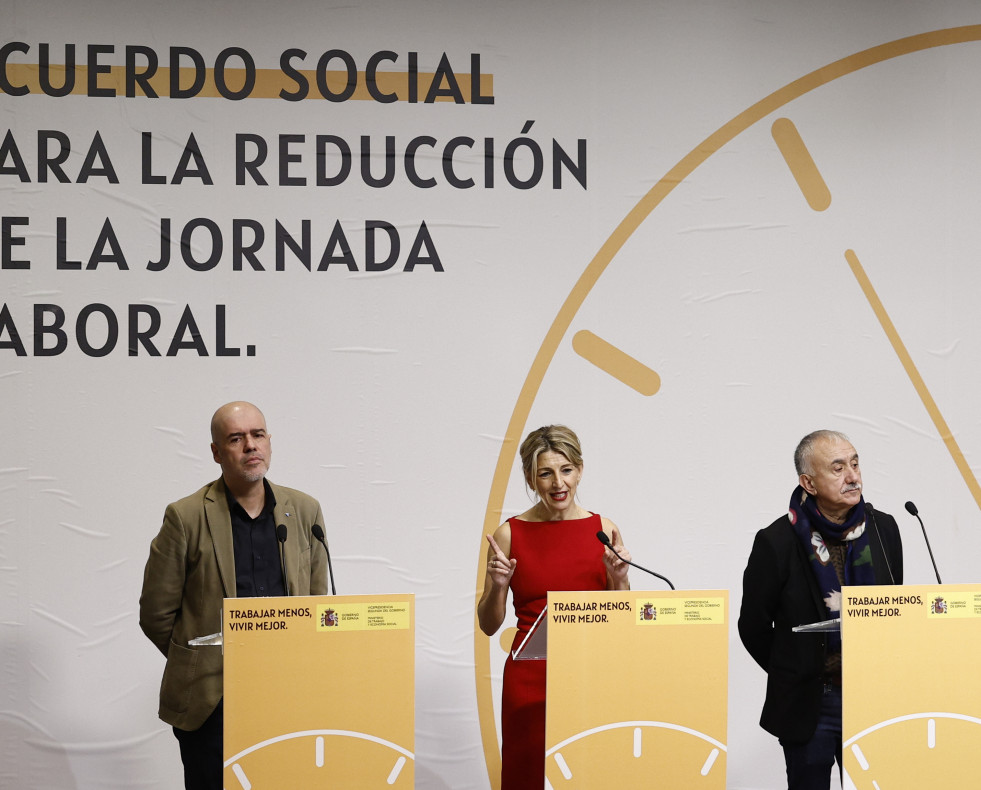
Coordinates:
(551, 555)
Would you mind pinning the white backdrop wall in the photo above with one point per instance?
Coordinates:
(389, 394)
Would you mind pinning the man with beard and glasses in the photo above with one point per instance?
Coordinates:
(795, 573)
(221, 542)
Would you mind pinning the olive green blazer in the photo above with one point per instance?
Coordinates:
(191, 569)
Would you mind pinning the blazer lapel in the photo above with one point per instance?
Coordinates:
(220, 525)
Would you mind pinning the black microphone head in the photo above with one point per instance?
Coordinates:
(281, 533)
(603, 538)
(318, 531)
(911, 509)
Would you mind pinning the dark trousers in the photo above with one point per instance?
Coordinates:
(809, 764)
(201, 752)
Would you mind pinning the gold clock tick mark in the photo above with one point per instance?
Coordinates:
(801, 164)
(616, 363)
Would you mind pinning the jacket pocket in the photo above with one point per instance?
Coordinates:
(178, 677)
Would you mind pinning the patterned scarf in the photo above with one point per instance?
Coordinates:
(813, 530)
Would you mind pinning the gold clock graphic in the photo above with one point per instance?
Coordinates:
(813, 194)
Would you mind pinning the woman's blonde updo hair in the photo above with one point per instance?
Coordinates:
(548, 438)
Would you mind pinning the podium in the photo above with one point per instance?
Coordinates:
(319, 691)
(637, 689)
(911, 709)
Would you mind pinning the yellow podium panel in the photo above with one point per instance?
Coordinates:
(911, 715)
(319, 692)
(637, 690)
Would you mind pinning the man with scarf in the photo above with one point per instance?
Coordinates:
(795, 573)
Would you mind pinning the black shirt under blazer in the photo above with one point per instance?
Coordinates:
(780, 592)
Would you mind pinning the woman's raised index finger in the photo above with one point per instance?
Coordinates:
(494, 546)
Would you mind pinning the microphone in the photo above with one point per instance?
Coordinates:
(318, 533)
(911, 509)
(871, 511)
(281, 537)
(605, 540)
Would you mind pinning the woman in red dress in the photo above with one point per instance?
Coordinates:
(551, 546)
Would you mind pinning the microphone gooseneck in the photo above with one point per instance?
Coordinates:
(911, 509)
(281, 537)
(605, 540)
(875, 526)
(318, 533)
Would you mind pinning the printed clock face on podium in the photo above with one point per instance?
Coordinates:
(350, 759)
(915, 751)
(784, 246)
(639, 751)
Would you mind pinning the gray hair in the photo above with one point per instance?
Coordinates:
(802, 455)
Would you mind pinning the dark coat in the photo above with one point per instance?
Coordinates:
(780, 592)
